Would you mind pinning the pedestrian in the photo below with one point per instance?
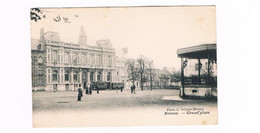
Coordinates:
(121, 88)
(79, 93)
(97, 89)
(134, 89)
(87, 90)
(90, 89)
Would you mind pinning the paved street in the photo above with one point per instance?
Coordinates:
(108, 107)
(44, 101)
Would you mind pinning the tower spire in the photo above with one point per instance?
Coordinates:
(82, 37)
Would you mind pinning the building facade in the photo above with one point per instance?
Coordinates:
(66, 65)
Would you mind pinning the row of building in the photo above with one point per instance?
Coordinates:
(62, 66)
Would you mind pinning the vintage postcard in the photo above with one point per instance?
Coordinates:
(124, 66)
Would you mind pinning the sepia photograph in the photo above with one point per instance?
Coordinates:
(123, 66)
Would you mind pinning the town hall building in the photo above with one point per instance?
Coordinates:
(62, 66)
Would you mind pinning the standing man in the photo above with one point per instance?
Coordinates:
(134, 88)
(90, 89)
(86, 90)
(97, 89)
(79, 93)
(121, 89)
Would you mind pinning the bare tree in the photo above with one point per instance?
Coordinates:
(151, 73)
(141, 67)
(132, 70)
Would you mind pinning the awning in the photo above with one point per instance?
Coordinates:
(198, 52)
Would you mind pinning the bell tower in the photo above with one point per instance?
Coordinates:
(82, 37)
(41, 42)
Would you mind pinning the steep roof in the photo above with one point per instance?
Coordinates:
(53, 36)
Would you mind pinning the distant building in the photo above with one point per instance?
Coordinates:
(121, 67)
(38, 66)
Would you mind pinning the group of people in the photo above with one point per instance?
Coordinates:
(89, 90)
(121, 89)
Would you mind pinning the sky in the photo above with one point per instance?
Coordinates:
(155, 32)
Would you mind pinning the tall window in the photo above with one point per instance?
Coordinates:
(78, 59)
(101, 60)
(55, 75)
(54, 56)
(86, 59)
(91, 59)
(84, 76)
(39, 59)
(58, 57)
(75, 76)
(66, 76)
(108, 76)
(99, 75)
(109, 61)
(98, 60)
(83, 59)
(92, 76)
(66, 60)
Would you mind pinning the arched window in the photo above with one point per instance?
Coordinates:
(84, 76)
(92, 76)
(39, 59)
(55, 75)
(67, 57)
(54, 56)
(99, 75)
(83, 59)
(75, 76)
(108, 76)
(66, 76)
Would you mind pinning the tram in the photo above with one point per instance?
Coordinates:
(107, 85)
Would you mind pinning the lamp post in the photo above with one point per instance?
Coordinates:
(183, 65)
(198, 68)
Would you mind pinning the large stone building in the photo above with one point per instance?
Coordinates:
(58, 65)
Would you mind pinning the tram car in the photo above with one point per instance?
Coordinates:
(106, 85)
(100, 85)
(117, 85)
